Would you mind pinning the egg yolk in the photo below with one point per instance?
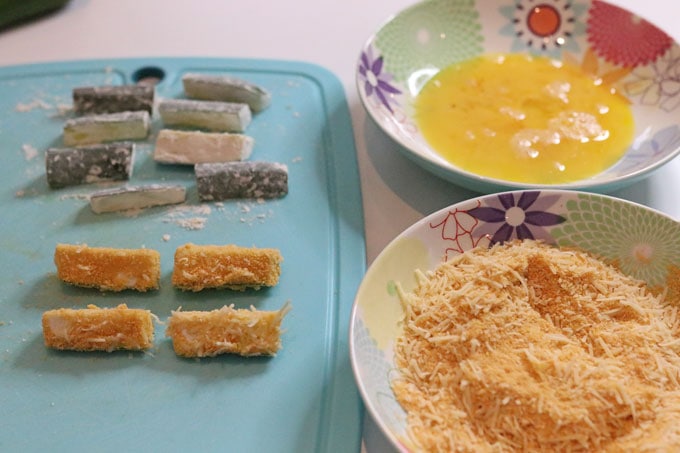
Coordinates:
(525, 119)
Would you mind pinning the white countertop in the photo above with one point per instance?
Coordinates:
(396, 193)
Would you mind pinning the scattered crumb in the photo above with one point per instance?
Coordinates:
(64, 108)
(296, 114)
(296, 159)
(189, 217)
(20, 282)
(75, 196)
(259, 217)
(30, 152)
(133, 212)
(2, 323)
(166, 237)
(34, 104)
(194, 223)
(21, 193)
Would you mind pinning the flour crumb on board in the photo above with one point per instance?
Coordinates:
(133, 212)
(193, 223)
(189, 217)
(251, 212)
(296, 159)
(30, 152)
(32, 105)
(75, 196)
(58, 104)
(63, 109)
(165, 238)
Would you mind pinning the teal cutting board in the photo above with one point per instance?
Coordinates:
(302, 400)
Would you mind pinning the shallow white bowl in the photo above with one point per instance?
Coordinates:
(641, 61)
(641, 240)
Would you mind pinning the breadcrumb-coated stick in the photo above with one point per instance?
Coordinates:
(108, 269)
(98, 329)
(247, 332)
(225, 266)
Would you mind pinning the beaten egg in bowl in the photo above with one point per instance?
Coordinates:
(524, 118)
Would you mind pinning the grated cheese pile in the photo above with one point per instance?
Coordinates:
(527, 347)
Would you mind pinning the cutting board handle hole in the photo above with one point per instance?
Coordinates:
(148, 75)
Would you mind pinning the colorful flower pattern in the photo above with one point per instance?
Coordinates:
(547, 28)
(663, 143)
(457, 227)
(497, 219)
(659, 82)
(376, 81)
(643, 245)
(516, 216)
(430, 38)
(623, 38)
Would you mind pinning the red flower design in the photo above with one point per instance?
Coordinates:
(457, 227)
(623, 38)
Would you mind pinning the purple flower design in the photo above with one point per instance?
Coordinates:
(664, 142)
(659, 82)
(521, 215)
(376, 82)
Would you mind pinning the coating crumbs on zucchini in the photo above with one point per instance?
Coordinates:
(247, 332)
(198, 267)
(108, 269)
(98, 329)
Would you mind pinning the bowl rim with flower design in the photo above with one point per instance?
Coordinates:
(606, 41)
(644, 243)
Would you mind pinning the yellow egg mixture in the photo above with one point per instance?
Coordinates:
(524, 118)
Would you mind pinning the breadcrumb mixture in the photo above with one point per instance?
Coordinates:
(528, 347)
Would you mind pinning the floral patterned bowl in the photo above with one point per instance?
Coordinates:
(641, 61)
(644, 243)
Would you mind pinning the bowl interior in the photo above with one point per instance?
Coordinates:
(640, 60)
(644, 242)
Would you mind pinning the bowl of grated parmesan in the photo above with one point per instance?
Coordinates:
(525, 321)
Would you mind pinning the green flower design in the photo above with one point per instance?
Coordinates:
(435, 36)
(642, 245)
